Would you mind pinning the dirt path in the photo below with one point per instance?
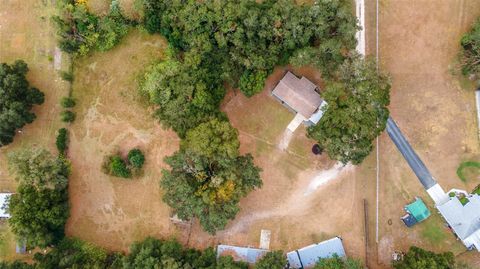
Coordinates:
(300, 198)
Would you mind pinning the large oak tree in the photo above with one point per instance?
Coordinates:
(356, 112)
(39, 209)
(17, 98)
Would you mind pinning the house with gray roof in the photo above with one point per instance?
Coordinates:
(308, 256)
(301, 97)
(463, 219)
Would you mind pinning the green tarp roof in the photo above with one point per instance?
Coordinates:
(418, 210)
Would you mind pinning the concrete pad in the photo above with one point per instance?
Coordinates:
(265, 239)
(293, 125)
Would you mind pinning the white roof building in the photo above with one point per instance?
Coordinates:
(3, 203)
(464, 219)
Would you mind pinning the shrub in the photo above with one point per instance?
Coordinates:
(67, 116)
(62, 140)
(470, 54)
(117, 167)
(67, 102)
(67, 76)
(136, 158)
(252, 82)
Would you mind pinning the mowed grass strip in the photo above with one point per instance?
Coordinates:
(469, 170)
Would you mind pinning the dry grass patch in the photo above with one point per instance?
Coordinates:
(26, 33)
(111, 117)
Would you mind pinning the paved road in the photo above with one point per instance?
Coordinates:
(409, 154)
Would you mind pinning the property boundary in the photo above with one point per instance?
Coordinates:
(365, 226)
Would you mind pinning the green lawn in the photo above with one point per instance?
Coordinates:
(433, 231)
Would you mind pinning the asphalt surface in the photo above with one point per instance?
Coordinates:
(409, 154)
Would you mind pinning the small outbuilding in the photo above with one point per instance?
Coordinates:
(300, 96)
(3, 205)
(308, 256)
(416, 212)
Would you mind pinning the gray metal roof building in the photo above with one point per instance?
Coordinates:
(307, 257)
(245, 254)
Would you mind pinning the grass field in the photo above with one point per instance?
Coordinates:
(433, 109)
(27, 33)
(111, 117)
(113, 213)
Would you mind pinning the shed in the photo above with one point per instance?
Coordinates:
(409, 220)
(21, 247)
(418, 210)
(307, 257)
(244, 254)
(3, 204)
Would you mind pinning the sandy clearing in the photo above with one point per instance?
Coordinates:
(418, 46)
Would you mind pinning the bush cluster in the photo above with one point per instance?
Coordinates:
(116, 166)
(67, 116)
(67, 102)
(136, 158)
(62, 141)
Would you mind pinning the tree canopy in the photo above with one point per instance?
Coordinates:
(185, 96)
(417, 258)
(208, 176)
(213, 139)
(272, 260)
(470, 43)
(39, 209)
(16, 100)
(81, 31)
(336, 262)
(208, 189)
(148, 254)
(356, 113)
(241, 35)
(37, 167)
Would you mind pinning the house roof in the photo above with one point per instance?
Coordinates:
(418, 209)
(299, 94)
(3, 201)
(250, 255)
(464, 219)
(307, 257)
